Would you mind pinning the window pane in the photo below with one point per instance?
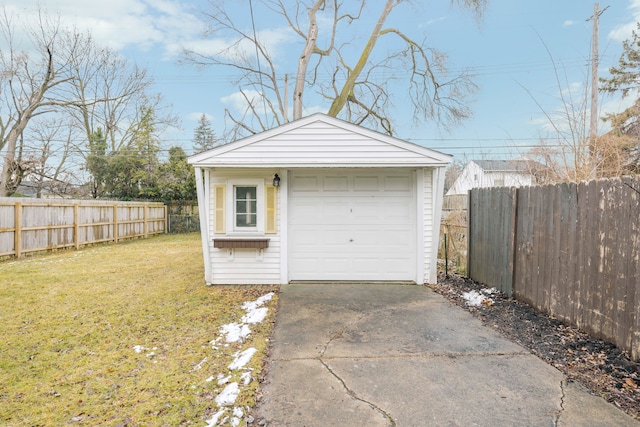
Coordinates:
(246, 193)
(246, 220)
(246, 206)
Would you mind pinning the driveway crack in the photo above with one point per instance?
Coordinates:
(561, 410)
(392, 422)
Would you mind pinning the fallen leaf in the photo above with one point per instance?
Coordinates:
(629, 382)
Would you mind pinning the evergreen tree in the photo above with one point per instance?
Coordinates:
(204, 137)
(145, 149)
(625, 78)
(97, 163)
(177, 179)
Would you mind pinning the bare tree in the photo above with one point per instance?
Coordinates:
(566, 153)
(27, 87)
(107, 92)
(356, 92)
(49, 145)
(65, 74)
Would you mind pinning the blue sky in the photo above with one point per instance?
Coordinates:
(505, 51)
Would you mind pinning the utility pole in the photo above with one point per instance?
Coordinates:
(593, 124)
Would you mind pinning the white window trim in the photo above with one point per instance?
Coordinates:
(232, 229)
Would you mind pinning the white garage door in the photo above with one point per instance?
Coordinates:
(352, 225)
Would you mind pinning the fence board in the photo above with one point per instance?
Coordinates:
(576, 252)
(491, 231)
(32, 225)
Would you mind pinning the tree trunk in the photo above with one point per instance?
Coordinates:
(21, 124)
(303, 61)
(348, 86)
(10, 157)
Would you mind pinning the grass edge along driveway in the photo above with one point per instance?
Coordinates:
(128, 335)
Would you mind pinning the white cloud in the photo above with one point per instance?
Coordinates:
(118, 23)
(568, 23)
(232, 49)
(238, 101)
(623, 32)
(171, 25)
(617, 105)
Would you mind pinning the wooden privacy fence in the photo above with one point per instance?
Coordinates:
(571, 250)
(490, 244)
(28, 225)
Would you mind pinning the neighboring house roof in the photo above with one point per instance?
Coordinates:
(525, 166)
(490, 173)
(320, 141)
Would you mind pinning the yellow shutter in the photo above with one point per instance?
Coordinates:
(218, 220)
(270, 209)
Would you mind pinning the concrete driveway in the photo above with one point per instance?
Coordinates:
(401, 355)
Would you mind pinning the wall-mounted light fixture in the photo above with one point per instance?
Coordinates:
(276, 180)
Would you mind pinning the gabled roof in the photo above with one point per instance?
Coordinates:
(507, 165)
(320, 141)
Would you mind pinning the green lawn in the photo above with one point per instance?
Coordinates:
(71, 322)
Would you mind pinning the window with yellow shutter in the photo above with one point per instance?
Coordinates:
(219, 209)
(270, 209)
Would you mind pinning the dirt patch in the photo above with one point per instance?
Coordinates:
(596, 364)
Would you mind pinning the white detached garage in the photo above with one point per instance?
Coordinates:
(319, 199)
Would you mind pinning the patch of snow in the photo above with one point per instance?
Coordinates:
(138, 348)
(150, 354)
(228, 396)
(237, 416)
(235, 332)
(255, 316)
(199, 365)
(252, 305)
(246, 378)
(242, 358)
(490, 291)
(211, 422)
(222, 379)
(473, 298)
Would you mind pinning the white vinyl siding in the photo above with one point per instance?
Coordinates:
(320, 143)
(427, 215)
(244, 266)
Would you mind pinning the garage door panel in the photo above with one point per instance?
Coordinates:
(366, 183)
(354, 226)
(394, 240)
(305, 184)
(335, 183)
(394, 266)
(398, 184)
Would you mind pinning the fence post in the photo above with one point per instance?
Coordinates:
(144, 220)
(446, 256)
(115, 223)
(469, 232)
(17, 232)
(166, 219)
(514, 228)
(76, 227)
